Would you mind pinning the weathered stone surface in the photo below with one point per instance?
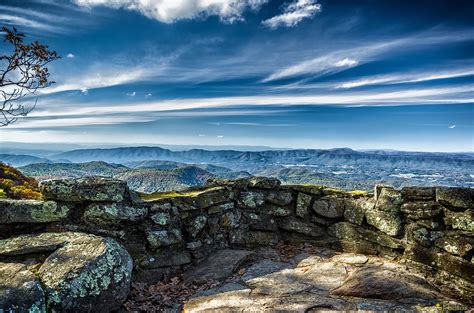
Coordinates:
(166, 258)
(277, 210)
(387, 222)
(230, 219)
(280, 197)
(323, 276)
(302, 204)
(460, 220)
(264, 182)
(355, 209)
(455, 243)
(385, 283)
(388, 200)
(262, 268)
(220, 208)
(418, 193)
(113, 214)
(20, 291)
(360, 240)
(86, 273)
(261, 221)
(457, 198)
(161, 218)
(329, 206)
(197, 225)
(441, 260)
(348, 258)
(31, 211)
(210, 197)
(251, 199)
(85, 189)
(218, 266)
(160, 238)
(254, 238)
(421, 209)
(295, 225)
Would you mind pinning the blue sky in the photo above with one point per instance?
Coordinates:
(295, 73)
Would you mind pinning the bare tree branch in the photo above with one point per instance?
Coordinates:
(22, 73)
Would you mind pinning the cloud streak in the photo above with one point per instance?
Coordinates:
(293, 14)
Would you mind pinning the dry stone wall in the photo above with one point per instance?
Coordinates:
(428, 227)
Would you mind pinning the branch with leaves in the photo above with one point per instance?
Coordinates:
(22, 73)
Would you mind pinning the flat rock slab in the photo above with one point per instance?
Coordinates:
(349, 258)
(386, 282)
(262, 268)
(218, 266)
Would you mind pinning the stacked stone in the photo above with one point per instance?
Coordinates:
(430, 227)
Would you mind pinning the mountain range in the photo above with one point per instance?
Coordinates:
(154, 168)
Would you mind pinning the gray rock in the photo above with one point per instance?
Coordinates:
(355, 209)
(253, 238)
(280, 197)
(112, 214)
(385, 283)
(167, 258)
(460, 220)
(293, 224)
(218, 266)
(220, 208)
(251, 199)
(85, 189)
(418, 193)
(20, 291)
(31, 211)
(302, 204)
(230, 219)
(85, 272)
(264, 182)
(329, 206)
(197, 225)
(422, 209)
(262, 268)
(160, 238)
(387, 222)
(348, 258)
(161, 218)
(210, 197)
(456, 244)
(456, 198)
(277, 210)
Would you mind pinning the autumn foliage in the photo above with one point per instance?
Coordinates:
(15, 185)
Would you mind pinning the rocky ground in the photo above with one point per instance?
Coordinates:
(293, 278)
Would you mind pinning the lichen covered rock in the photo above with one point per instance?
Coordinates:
(31, 211)
(460, 220)
(302, 204)
(159, 238)
(112, 214)
(85, 189)
(84, 273)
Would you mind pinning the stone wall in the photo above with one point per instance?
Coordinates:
(431, 228)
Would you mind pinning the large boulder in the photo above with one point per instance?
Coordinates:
(83, 273)
(31, 211)
(385, 216)
(85, 189)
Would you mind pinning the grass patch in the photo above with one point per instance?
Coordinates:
(174, 194)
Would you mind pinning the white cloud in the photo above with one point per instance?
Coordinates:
(85, 91)
(415, 77)
(294, 13)
(132, 94)
(452, 126)
(169, 11)
(346, 63)
(70, 56)
(220, 137)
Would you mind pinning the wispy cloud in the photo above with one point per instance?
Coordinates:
(70, 56)
(169, 11)
(294, 13)
(328, 62)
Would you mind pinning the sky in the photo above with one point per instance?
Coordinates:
(361, 74)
